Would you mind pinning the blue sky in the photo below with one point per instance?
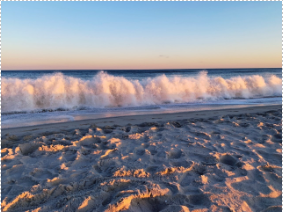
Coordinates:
(140, 35)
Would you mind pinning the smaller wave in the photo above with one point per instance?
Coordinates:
(56, 91)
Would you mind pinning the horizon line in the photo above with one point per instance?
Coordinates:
(131, 69)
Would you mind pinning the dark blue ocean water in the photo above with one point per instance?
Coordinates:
(137, 74)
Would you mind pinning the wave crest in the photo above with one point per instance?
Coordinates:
(104, 90)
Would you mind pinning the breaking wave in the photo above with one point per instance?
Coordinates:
(104, 90)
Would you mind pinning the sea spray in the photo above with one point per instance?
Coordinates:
(103, 90)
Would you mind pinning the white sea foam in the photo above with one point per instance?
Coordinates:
(104, 90)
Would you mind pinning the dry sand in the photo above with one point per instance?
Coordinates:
(222, 160)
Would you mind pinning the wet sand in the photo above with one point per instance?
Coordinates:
(220, 160)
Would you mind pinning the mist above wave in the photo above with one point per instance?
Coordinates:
(104, 90)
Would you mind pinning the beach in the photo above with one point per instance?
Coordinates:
(214, 160)
(138, 107)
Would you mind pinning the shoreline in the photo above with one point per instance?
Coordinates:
(137, 119)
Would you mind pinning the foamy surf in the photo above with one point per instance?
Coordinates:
(103, 90)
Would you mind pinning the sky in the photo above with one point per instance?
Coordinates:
(140, 35)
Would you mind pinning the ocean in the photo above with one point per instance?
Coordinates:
(38, 97)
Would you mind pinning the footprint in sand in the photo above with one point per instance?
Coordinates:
(28, 148)
(277, 138)
(153, 151)
(229, 160)
(106, 201)
(39, 173)
(199, 199)
(161, 154)
(173, 188)
(152, 169)
(174, 154)
(200, 169)
(140, 152)
(146, 204)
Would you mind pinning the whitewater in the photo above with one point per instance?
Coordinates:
(57, 91)
(39, 97)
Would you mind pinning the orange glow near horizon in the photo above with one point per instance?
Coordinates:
(101, 60)
(99, 63)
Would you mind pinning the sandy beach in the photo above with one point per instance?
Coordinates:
(217, 160)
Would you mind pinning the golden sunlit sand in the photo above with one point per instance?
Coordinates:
(222, 160)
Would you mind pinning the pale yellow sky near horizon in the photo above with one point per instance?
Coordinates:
(21, 61)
